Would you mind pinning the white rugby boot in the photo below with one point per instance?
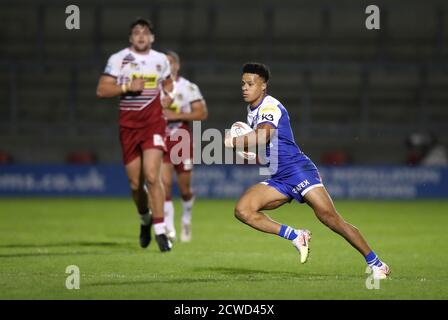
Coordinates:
(380, 273)
(302, 244)
(171, 235)
(185, 235)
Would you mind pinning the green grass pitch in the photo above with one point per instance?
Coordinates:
(39, 238)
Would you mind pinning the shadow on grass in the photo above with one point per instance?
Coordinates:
(176, 281)
(243, 274)
(228, 271)
(41, 250)
(50, 254)
(67, 244)
(220, 274)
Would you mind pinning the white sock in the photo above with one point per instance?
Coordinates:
(187, 207)
(145, 219)
(160, 228)
(168, 209)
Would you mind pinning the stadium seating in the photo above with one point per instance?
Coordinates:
(343, 85)
(81, 157)
(5, 158)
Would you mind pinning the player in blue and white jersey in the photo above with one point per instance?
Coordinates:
(293, 174)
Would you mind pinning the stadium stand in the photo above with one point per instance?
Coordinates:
(346, 87)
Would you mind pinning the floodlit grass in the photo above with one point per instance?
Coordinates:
(39, 238)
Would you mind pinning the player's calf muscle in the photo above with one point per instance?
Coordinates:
(167, 188)
(327, 216)
(186, 193)
(331, 218)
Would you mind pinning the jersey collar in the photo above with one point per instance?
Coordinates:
(253, 108)
(139, 55)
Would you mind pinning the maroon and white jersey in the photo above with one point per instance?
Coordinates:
(186, 93)
(142, 109)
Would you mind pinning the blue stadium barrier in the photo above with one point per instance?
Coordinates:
(225, 181)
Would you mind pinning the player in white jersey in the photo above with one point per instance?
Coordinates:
(293, 175)
(188, 105)
(140, 75)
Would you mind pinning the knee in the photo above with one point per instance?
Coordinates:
(152, 177)
(243, 213)
(134, 184)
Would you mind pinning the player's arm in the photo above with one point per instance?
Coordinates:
(198, 112)
(270, 115)
(168, 85)
(169, 88)
(169, 92)
(260, 136)
(108, 87)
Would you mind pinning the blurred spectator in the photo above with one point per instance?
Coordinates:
(81, 157)
(424, 149)
(335, 158)
(5, 158)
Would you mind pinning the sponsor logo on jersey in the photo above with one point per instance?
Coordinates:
(300, 186)
(150, 79)
(158, 67)
(254, 121)
(127, 59)
(267, 113)
(267, 117)
(268, 108)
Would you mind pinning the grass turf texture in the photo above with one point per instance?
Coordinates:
(39, 238)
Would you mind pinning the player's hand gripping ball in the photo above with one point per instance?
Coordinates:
(239, 129)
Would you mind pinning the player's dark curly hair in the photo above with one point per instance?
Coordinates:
(142, 22)
(257, 68)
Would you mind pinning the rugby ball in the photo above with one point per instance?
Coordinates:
(239, 129)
